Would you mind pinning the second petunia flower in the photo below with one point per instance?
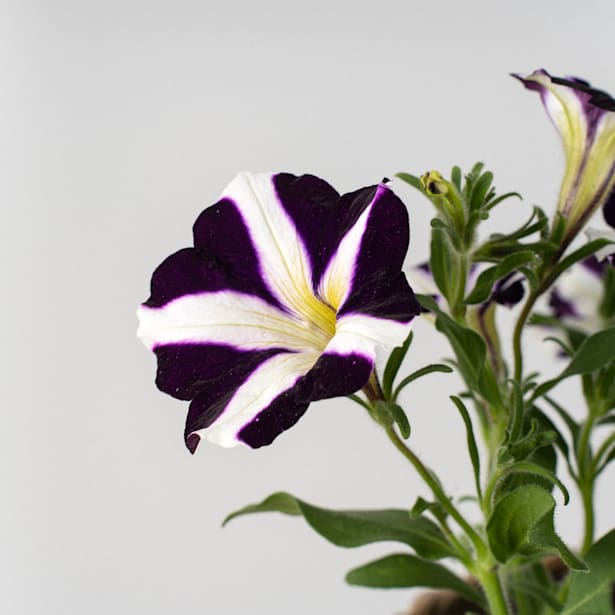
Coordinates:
(289, 295)
(585, 119)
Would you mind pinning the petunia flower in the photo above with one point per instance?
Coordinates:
(289, 295)
(585, 118)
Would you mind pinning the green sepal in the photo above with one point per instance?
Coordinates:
(355, 528)
(393, 364)
(486, 280)
(591, 592)
(419, 373)
(388, 412)
(402, 570)
(522, 524)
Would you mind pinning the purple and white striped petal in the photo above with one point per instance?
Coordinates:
(585, 119)
(290, 294)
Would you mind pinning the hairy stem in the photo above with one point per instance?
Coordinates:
(437, 490)
(585, 463)
(518, 332)
(587, 493)
(494, 593)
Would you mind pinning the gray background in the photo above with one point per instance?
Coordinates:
(121, 120)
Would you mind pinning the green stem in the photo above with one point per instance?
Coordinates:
(586, 477)
(436, 489)
(587, 493)
(518, 332)
(494, 593)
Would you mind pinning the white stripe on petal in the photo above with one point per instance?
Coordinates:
(372, 337)
(285, 264)
(226, 317)
(268, 381)
(336, 282)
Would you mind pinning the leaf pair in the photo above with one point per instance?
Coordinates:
(354, 528)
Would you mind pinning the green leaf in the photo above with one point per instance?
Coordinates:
(471, 355)
(484, 285)
(401, 570)
(607, 304)
(480, 190)
(471, 442)
(276, 502)
(354, 528)
(548, 424)
(469, 348)
(518, 412)
(419, 373)
(573, 427)
(422, 505)
(441, 262)
(415, 182)
(540, 595)
(456, 177)
(590, 593)
(522, 524)
(582, 253)
(528, 467)
(492, 202)
(393, 365)
(595, 352)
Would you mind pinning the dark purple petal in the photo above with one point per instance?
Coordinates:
(608, 209)
(223, 259)
(333, 375)
(594, 103)
(281, 415)
(209, 375)
(508, 291)
(185, 369)
(561, 307)
(598, 98)
(378, 288)
(594, 266)
(320, 215)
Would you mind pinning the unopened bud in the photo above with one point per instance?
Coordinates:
(434, 184)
